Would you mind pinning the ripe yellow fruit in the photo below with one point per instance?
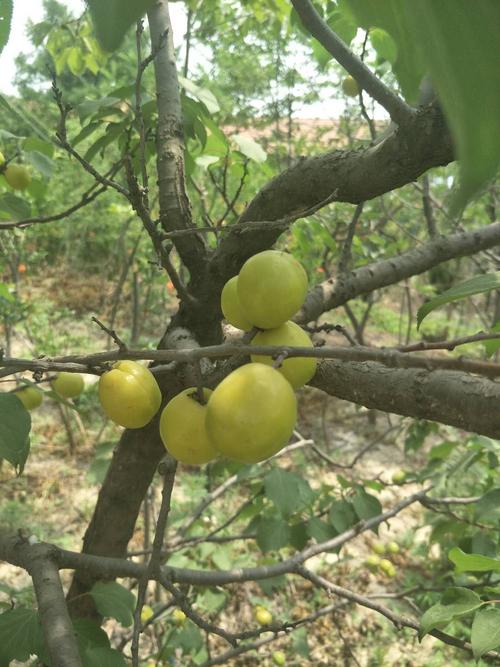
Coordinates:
(231, 306)
(263, 616)
(387, 567)
(146, 613)
(129, 394)
(279, 658)
(30, 397)
(68, 385)
(182, 428)
(373, 561)
(272, 286)
(350, 86)
(378, 548)
(179, 616)
(393, 548)
(17, 176)
(251, 414)
(297, 370)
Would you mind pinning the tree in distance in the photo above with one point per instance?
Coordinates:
(30, 397)
(297, 370)
(350, 86)
(17, 176)
(231, 306)
(272, 286)
(279, 658)
(183, 431)
(251, 413)
(262, 615)
(68, 385)
(129, 394)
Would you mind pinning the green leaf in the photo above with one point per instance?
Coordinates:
(20, 634)
(485, 633)
(113, 18)
(384, 45)
(104, 657)
(491, 346)
(288, 491)
(343, 24)
(319, 530)
(89, 634)
(115, 601)
(202, 94)
(39, 145)
(6, 7)
(15, 426)
(455, 42)
(41, 162)
(272, 534)
(365, 505)
(97, 471)
(472, 562)
(249, 147)
(76, 61)
(455, 602)
(342, 516)
(476, 285)
(25, 119)
(12, 206)
(442, 451)
(189, 638)
(488, 507)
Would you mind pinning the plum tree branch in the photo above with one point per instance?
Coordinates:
(397, 108)
(175, 212)
(335, 292)
(40, 561)
(399, 621)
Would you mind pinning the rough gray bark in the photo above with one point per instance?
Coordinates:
(40, 560)
(450, 397)
(346, 176)
(333, 293)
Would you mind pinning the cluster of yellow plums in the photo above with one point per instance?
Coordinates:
(251, 414)
(16, 175)
(374, 561)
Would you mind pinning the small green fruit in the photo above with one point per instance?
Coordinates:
(378, 548)
(179, 616)
(350, 86)
(279, 658)
(387, 567)
(399, 477)
(146, 613)
(30, 397)
(373, 561)
(68, 385)
(393, 548)
(263, 616)
(17, 176)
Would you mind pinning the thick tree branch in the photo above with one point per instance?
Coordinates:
(398, 110)
(348, 176)
(333, 293)
(175, 211)
(458, 399)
